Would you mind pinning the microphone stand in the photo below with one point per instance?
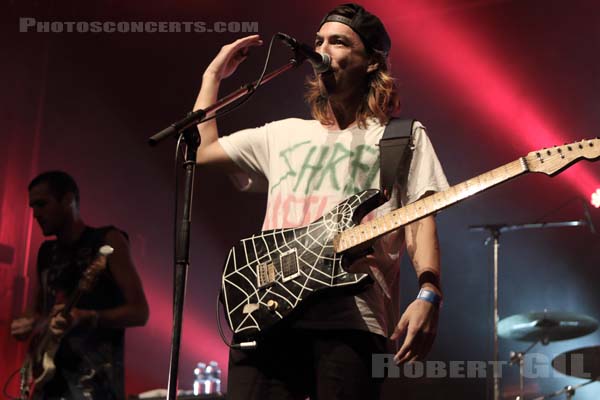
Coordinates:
(495, 231)
(187, 128)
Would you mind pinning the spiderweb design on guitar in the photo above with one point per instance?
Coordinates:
(277, 269)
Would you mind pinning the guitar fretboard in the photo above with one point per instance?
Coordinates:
(377, 227)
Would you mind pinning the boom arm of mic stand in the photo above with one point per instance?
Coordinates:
(196, 117)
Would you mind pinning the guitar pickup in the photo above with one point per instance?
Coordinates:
(265, 274)
(289, 265)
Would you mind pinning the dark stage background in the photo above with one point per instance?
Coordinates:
(491, 80)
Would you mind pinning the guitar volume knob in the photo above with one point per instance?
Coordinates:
(272, 305)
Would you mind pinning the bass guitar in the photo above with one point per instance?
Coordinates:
(39, 368)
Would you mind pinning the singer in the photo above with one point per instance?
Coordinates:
(89, 361)
(309, 166)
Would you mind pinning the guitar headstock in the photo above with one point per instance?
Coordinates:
(553, 160)
(96, 267)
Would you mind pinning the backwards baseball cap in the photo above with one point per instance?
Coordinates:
(366, 25)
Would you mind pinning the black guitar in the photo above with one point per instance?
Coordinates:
(270, 275)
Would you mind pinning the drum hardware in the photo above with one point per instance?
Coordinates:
(546, 326)
(568, 390)
(495, 231)
(542, 327)
(519, 358)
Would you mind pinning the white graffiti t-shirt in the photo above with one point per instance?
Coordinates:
(306, 171)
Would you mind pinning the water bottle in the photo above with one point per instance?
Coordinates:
(213, 378)
(200, 379)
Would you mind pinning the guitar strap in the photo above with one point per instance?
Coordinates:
(395, 153)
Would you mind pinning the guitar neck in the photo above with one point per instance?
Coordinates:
(367, 232)
(89, 278)
(71, 302)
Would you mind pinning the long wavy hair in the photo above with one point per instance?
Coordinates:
(380, 96)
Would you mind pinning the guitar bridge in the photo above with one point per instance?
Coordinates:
(265, 274)
(289, 265)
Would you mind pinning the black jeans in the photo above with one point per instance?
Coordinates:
(322, 364)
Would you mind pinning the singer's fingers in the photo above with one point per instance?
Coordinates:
(252, 40)
(243, 43)
(241, 47)
(231, 55)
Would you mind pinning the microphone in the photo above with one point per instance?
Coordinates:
(320, 62)
(588, 217)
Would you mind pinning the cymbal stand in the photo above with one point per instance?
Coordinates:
(568, 390)
(519, 357)
(495, 231)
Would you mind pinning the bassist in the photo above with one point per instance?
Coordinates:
(89, 359)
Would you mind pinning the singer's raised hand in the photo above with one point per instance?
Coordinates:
(223, 65)
(230, 56)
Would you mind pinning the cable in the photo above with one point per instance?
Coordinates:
(5, 387)
(236, 346)
(245, 98)
(219, 327)
(227, 110)
(556, 209)
(178, 149)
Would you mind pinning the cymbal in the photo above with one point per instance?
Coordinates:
(582, 363)
(546, 326)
